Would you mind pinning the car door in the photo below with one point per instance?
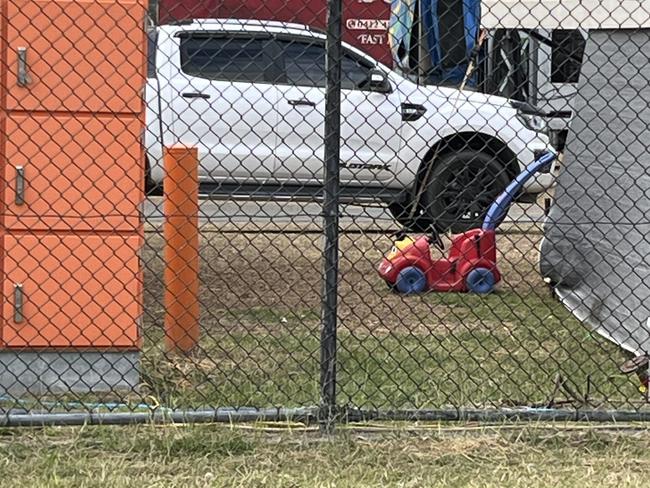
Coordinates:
(371, 124)
(370, 121)
(301, 110)
(224, 104)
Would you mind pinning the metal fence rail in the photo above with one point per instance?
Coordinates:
(216, 212)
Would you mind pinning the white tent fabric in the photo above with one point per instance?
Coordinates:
(565, 14)
(596, 247)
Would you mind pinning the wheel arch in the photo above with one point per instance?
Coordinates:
(477, 141)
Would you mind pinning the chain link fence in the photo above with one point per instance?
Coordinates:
(324, 211)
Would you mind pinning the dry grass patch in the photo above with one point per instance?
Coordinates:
(217, 456)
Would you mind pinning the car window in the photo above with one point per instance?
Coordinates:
(354, 73)
(222, 58)
(304, 65)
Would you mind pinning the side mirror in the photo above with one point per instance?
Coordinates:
(378, 81)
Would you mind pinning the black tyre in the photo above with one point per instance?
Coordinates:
(461, 188)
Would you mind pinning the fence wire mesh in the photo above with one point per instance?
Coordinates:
(256, 209)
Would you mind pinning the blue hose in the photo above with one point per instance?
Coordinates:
(503, 201)
(93, 406)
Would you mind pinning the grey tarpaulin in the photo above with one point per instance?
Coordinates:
(596, 247)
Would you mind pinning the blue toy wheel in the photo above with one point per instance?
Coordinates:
(480, 280)
(411, 280)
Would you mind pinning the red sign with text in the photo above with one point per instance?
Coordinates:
(365, 22)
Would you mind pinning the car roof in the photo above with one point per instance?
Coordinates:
(243, 25)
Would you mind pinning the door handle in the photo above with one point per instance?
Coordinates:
(18, 303)
(196, 95)
(412, 112)
(20, 185)
(23, 71)
(301, 102)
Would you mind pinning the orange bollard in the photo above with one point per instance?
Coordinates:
(181, 209)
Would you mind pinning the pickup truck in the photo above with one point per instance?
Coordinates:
(250, 95)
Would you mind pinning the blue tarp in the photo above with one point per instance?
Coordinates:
(450, 28)
(439, 44)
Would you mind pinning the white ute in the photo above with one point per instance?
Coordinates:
(251, 96)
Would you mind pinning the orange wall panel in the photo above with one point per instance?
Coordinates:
(78, 291)
(82, 56)
(80, 173)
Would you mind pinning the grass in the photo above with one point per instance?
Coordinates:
(218, 456)
(260, 303)
(260, 298)
(495, 351)
(260, 319)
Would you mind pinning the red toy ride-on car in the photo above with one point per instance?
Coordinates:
(470, 265)
(472, 261)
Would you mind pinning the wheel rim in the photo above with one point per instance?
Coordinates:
(480, 280)
(411, 280)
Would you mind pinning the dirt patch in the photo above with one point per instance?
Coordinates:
(266, 282)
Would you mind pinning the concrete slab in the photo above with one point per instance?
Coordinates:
(43, 372)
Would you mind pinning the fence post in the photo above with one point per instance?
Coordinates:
(181, 208)
(327, 414)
